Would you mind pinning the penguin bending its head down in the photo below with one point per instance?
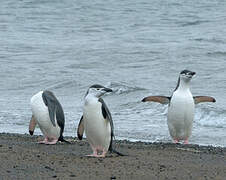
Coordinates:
(181, 107)
(47, 112)
(97, 122)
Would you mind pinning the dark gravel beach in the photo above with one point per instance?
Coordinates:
(22, 158)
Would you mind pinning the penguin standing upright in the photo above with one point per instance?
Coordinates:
(181, 107)
(97, 122)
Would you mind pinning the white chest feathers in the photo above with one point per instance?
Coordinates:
(97, 129)
(181, 114)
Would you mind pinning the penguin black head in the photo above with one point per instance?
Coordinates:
(98, 90)
(186, 75)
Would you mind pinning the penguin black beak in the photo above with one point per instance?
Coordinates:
(193, 73)
(108, 90)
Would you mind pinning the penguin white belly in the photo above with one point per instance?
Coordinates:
(180, 115)
(41, 114)
(97, 129)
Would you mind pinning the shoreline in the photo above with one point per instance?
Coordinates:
(23, 158)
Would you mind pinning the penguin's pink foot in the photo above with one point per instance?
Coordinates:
(97, 155)
(54, 141)
(44, 141)
(186, 141)
(94, 153)
(176, 141)
(103, 154)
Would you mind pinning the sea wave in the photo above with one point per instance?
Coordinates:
(123, 88)
(210, 117)
(62, 84)
(210, 40)
(193, 23)
(217, 53)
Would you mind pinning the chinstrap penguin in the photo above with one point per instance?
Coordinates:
(48, 113)
(97, 122)
(181, 106)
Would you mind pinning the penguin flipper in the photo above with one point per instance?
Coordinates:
(32, 125)
(200, 99)
(80, 129)
(107, 115)
(159, 99)
(60, 118)
(55, 110)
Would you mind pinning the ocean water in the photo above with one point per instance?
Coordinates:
(137, 48)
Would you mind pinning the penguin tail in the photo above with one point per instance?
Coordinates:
(61, 139)
(118, 153)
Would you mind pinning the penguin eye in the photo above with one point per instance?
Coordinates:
(98, 89)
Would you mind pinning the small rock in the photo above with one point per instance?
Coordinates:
(162, 166)
(49, 168)
(100, 160)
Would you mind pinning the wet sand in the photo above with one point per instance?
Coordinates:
(22, 157)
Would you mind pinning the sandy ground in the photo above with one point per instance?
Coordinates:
(21, 157)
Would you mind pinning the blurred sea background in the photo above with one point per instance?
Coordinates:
(137, 48)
